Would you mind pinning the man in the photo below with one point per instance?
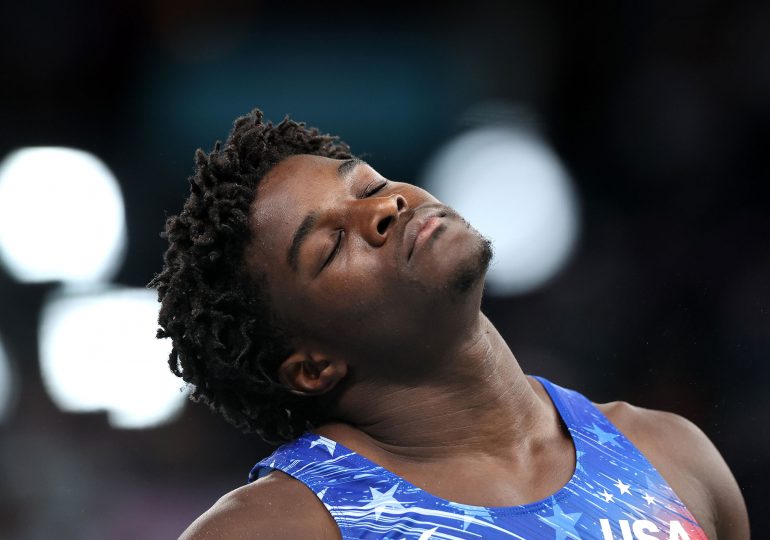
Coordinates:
(317, 303)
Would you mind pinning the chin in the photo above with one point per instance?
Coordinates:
(470, 273)
(454, 262)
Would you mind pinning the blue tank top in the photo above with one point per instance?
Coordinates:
(614, 492)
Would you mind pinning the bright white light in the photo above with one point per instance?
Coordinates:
(6, 384)
(61, 216)
(98, 351)
(512, 188)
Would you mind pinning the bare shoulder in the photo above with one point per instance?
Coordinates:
(689, 462)
(275, 507)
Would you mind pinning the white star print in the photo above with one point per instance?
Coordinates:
(648, 498)
(382, 501)
(329, 444)
(606, 496)
(604, 436)
(622, 487)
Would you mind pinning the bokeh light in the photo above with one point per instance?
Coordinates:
(50, 200)
(6, 384)
(512, 188)
(98, 352)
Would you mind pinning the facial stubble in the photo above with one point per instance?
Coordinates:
(472, 270)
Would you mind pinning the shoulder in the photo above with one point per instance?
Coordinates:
(275, 507)
(689, 462)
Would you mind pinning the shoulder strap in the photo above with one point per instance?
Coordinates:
(607, 459)
(586, 423)
(311, 459)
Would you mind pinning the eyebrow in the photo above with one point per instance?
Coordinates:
(347, 166)
(308, 224)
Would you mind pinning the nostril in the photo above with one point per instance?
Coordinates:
(383, 225)
(400, 203)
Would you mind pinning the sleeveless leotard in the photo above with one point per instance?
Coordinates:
(614, 492)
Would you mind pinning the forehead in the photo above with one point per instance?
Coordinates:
(292, 184)
(294, 172)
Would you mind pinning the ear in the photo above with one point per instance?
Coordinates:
(311, 374)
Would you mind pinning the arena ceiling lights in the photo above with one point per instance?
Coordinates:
(98, 352)
(61, 216)
(512, 188)
(62, 219)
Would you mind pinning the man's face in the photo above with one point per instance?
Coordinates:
(359, 264)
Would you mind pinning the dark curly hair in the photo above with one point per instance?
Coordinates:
(226, 342)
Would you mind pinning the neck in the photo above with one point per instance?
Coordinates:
(477, 400)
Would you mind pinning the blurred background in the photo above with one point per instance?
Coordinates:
(613, 152)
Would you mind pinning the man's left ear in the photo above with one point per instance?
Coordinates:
(310, 374)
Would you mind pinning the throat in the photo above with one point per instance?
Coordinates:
(497, 420)
(475, 400)
(510, 464)
(478, 420)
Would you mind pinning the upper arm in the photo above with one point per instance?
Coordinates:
(273, 508)
(226, 519)
(690, 463)
(729, 509)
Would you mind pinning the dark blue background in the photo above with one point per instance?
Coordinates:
(661, 113)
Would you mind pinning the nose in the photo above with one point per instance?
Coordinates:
(378, 217)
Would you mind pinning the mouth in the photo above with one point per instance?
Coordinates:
(419, 228)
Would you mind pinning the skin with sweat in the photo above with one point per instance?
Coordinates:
(355, 265)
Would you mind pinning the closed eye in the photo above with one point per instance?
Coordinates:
(373, 188)
(336, 249)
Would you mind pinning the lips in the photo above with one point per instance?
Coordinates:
(419, 229)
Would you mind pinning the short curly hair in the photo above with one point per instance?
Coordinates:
(226, 342)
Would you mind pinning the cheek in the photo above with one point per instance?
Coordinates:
(361, 276)
(349, 308)
(352, 297)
